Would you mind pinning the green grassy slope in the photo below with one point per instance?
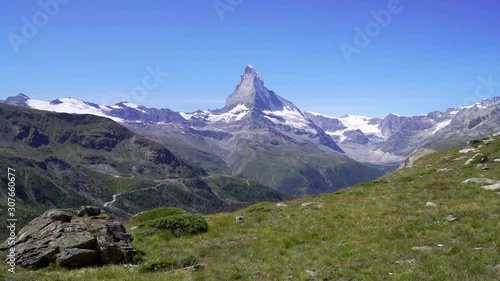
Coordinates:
(299, 172)
(381, 230)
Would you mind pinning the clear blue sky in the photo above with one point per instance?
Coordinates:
(428, 57)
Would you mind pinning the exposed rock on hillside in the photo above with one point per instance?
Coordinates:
(417, 155)
(72, 238)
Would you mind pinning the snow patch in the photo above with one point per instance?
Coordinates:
(290, 117)
(186, 116)
(70, 105)
(235, 114)
(441, 125)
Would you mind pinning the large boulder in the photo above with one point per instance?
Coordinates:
(72, 238)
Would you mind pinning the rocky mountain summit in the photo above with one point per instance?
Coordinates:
(72, 238)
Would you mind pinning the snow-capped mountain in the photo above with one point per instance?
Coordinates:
(257, 135)
(253, 104)
(264, 137)
(395, 137)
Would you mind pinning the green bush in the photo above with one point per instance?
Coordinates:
(148, 216)
(183, 224)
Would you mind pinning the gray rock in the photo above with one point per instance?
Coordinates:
(489, 141)
(485, 160)
(421, 248)
(36, 255)
(430, 204)
(480, 180)
(196, 267)
(71, 258)
(312, 274)
(418, 154)
(495, 186)
(482, 167)
(90, 211)
(444, 170)
(81, 240)
(467, 150)
(239, 219)
(73, 242)
(60, 215)
(451, 218)
(307, 204)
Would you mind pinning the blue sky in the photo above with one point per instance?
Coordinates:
(428, 56)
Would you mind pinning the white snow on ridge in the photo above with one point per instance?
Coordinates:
(293, 118)
(70, 105)
(131, 105)
(353, 122)
(235, 114)
(477, 104)
(186, 116)
(441, 125)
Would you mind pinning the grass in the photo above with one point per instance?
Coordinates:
(365, 232)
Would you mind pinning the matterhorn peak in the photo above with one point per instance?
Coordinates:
(252, 73)
(250, 69)
(252, 93)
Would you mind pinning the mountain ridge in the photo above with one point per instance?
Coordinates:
(258, 128)
(258, 135)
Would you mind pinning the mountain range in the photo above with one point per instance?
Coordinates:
(66, 160)
(260, 136)
(394, 137)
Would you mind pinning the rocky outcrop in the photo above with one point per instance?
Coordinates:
(72, 238)
(417, 155)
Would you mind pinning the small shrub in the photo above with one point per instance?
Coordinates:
(183, 224)
(148, 216)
